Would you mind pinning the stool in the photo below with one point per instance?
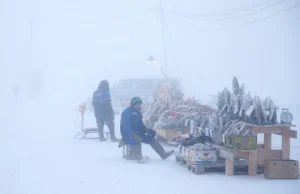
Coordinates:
(132, 151)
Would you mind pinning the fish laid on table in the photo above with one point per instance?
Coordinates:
(237, 108)
(235, 86)
(257, 110)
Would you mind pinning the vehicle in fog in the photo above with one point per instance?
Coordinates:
(128, 88)
(125, 89)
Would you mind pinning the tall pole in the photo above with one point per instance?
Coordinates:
(151, 59)
(163, 22)
(31, 49)
(30, 42)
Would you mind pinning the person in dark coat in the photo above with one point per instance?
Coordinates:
(134, 132)
(103, 110)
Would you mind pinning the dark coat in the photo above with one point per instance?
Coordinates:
(132, 123)
(102, 105)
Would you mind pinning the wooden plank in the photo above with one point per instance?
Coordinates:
(226, 154)
(292, 134)
(252, 163)
(265, 130)
(270, 126)
(233, 154)
(229, 167)
(263, 155)
(260, 146)
(267, 141)
(241, 153)
(276, 129)
(286, 143)
(273, 130)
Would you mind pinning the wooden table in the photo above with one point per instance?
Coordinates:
(283, 130)
(232, 155)
(264, 152)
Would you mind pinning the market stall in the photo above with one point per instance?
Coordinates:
(172, 116)
(225, 138)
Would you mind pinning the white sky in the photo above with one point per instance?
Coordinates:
(76, 43)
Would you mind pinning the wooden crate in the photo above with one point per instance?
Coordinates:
(264, 155)
(281, 169)
(167, 134)
(241, 142)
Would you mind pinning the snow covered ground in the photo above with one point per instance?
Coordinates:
(38, 155)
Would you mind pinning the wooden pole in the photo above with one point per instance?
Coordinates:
(229, 167)
(286, 143)
(252, 163)
(268, 141)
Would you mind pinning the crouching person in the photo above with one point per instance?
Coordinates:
(134, 132)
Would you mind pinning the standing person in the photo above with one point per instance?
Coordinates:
(134, 132)
(103, 110)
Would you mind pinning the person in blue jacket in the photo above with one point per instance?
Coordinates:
(134, 132)
(103, 110)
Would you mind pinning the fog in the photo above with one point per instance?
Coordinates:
(82, 42)
(74, 44)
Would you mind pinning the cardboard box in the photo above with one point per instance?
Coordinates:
(182, 152)
(241, 142)
(202, 157)
(185, 153)
(168, 134)
(281, 169)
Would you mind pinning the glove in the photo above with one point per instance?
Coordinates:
(136, 138)
(151, 132)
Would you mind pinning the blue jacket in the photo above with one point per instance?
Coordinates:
(102, 105)
(132, 123)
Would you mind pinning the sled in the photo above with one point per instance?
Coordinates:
(85, 131)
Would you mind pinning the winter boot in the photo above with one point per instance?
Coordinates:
(101, 136)
(160, 150)
(114, 139)
(100, 125)
(111, 128)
